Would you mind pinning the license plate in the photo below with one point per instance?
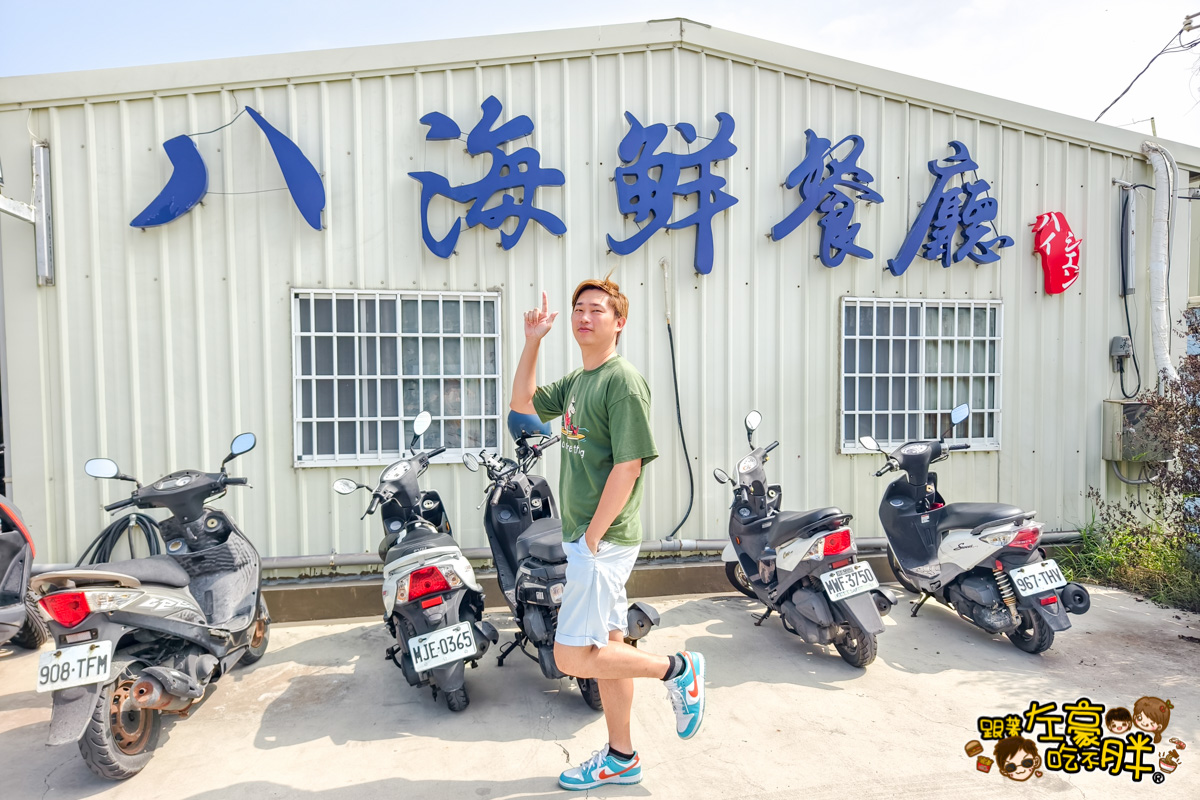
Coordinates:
(442, 647)
(1037, 578)
(849, 581)
(75, 666)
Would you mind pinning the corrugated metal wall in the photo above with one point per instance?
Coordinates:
(156, 347)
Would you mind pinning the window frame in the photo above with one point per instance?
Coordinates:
(380, 457)
(922, 375)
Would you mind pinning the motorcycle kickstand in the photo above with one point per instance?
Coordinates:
(506, 649)
(761, 618)
(917, 606)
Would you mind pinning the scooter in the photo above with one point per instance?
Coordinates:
(21, 621)
(144, 637)
(525, 534)
(802, 565)
(980, 559)
(432, 603)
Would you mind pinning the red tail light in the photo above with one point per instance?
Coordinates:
(1026, 538)
(426, 581)
(1049, 601)
(837, 542)
(66, 608)
(15, 520)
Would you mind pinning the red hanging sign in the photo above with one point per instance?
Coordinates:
(1058, 246)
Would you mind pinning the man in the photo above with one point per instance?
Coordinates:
(606, 443)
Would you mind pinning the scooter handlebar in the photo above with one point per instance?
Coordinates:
(770, 447)
(128, 501)
(886, 468)
(959, 447)
(237, 481)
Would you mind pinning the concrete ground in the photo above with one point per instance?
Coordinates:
(323, 715)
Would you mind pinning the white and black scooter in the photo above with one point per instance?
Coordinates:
(981, 559)
(525, 534)
(801, 564)
(144, 637)
(432, 603)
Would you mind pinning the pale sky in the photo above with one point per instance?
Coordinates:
(1073, 56)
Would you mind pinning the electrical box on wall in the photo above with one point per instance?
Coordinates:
(1126, 437)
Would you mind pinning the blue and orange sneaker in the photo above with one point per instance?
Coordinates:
(686, 694)
(600, 769)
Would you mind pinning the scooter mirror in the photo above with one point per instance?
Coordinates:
(753, 420)
(471, 462)
(422, 423)
(870, 443)
(721, 475)
(345, 486)
(101, 468)
(242, 443)
(960, 413)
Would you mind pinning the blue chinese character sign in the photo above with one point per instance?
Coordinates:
(649, 181)
(821, 179)
(520, 170)
(945, 211)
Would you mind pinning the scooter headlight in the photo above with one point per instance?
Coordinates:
(556, 592)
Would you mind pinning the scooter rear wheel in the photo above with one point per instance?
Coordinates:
(34, 633)
(737, 577)
(458, 699)
(120, 738)
(1033, 635)
(901, 578)
(590, 690)
(857, 648)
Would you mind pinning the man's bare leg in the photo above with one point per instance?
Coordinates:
(617, 660)
(617, 694)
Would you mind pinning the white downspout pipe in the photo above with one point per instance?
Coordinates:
(1160, 313)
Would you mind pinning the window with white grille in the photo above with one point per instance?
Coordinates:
(365, 364)
(907, 363)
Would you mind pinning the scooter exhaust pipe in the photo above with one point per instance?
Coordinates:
(149, 694)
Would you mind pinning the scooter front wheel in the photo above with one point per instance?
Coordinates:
(737, 577)
(590, 690)
(901, 578)
(120, 738)
(34, 632)
(1033, 635)
(261, 636)
(857, 648)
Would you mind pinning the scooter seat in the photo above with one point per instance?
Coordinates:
(543, 541)
(956, 516)
(422, 538)
(162, 570)
(789, 525)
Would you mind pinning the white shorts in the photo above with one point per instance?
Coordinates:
(594, 600)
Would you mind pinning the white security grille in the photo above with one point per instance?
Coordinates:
(366, 363)
(907, 363)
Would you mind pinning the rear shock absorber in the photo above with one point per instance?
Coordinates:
(1006, 591)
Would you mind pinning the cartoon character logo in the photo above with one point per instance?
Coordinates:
(1017, 758)
(1152, 715)
(569, 429)
(1118, 720)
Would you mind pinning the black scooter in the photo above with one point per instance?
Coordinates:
(21, 621)
(432, 603)
(803, 565)
(144, 637)
(525, 534)
(981, 559)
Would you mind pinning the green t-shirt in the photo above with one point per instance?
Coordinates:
(606, 421)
